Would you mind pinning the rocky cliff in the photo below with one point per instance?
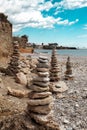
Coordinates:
(5, 36)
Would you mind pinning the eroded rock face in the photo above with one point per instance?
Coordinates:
(54, 71)
(40, 98)
(5, 36)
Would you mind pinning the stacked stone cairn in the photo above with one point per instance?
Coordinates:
(13, 67)
(54, 71)
(68, 73)
(40, 99)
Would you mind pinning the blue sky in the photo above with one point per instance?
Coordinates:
(61, 21)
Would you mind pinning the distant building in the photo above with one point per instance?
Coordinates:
(53, 44)
(5, 35)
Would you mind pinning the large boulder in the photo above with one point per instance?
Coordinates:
(21, 78)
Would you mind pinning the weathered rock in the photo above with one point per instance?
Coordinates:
(25, 70)
(21, 78)
(40, 109)
(41, 79)
(54, 70)
(38, 88)
(55, 78)
(44, 65)
(17, 93)
(42, 61)
(41, 119)
(41, 84)
(69, 77)
(43, 57)
(59, 87)
(34, 95)
(43, 74)
(42, 69)
(43, 101)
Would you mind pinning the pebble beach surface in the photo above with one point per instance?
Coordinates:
(70, 109)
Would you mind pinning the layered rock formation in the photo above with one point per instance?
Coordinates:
(68, 73)
(39, 105)
(5, 36)
(13, 67)
(54, 71)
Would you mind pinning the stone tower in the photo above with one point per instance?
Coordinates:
(13, 67)
(68, 73)
(5, 36)
(54, 76)
(39, 105)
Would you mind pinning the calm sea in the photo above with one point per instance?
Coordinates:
(78, 52)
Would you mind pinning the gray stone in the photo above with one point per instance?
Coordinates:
(37, 102)
(38, 88)
(41, 79)
(21, 78)
(43, 57)
(41, 119)
(41, 84)
(44, 65)
(42, 69)
(58, 87)
(34, 95)
(43, 74)
(40, 109)
(42, 61)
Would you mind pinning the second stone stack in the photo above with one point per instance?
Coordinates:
(54, 71)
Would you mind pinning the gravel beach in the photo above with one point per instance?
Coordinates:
(70, 109)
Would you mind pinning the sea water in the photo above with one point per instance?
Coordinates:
(70, 52)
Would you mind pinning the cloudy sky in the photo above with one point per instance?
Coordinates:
(62, 21)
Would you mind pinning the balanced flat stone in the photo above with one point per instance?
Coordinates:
(54, 74)
(59, 87)
(42, 61)
(43, 57)
(54, 70)
(44, 65)
(43, 101)
(54, 78)
(41, 79)
(34, 95)
(69, 77)
(41, 84)
(41, 119)
(38, 88)
(40, 109)
(43, 74)
(42, 69)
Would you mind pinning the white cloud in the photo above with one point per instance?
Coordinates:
(27, 13)
(72, 4)
(66, 22)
